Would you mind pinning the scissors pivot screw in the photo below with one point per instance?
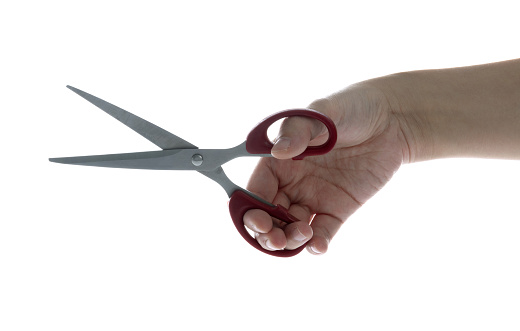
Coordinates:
(197, 160)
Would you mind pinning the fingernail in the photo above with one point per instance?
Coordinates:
(281, 144)
(252, 227)
(297, 235)
(269, 245)
(314, 250)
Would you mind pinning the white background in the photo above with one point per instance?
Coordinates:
(108, 249)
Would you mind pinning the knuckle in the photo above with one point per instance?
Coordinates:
(323, 105)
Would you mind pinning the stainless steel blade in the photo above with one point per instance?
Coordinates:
(173, 159)
(155, 160)
(150, 131)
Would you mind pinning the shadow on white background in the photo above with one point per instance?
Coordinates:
(108, 249)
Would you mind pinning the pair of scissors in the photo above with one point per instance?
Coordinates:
(178, 154)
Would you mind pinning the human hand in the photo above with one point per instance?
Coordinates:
(382, 123)
(327, 189)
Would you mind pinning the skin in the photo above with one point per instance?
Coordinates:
(382, 123)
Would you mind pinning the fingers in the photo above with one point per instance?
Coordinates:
(324, 227)
(272, 237)
(296, 134)
(258, 221)
(272, 241)
(293, 236)
(297, 234)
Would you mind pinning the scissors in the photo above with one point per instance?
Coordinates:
(178, 154)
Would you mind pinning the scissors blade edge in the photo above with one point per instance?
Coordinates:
(148, 130)
(154, 160)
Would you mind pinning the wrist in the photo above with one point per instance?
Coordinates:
(459, 112)
(410, 111)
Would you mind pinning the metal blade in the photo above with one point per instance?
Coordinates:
(150, 131)
(155, 160)
(171, 159)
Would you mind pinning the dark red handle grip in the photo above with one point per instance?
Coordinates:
(258, 143)
(241, 202)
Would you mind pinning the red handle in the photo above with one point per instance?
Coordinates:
(241, 202)
(258, 143)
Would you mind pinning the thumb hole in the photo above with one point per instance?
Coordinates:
(296, 134)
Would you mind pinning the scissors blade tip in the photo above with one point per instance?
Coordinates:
(160, 137)
(59, 160)
(73, 89)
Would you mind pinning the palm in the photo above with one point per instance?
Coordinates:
(341, 181)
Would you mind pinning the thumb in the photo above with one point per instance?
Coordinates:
(296, 134)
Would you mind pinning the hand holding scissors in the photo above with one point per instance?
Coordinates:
(178, 154)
